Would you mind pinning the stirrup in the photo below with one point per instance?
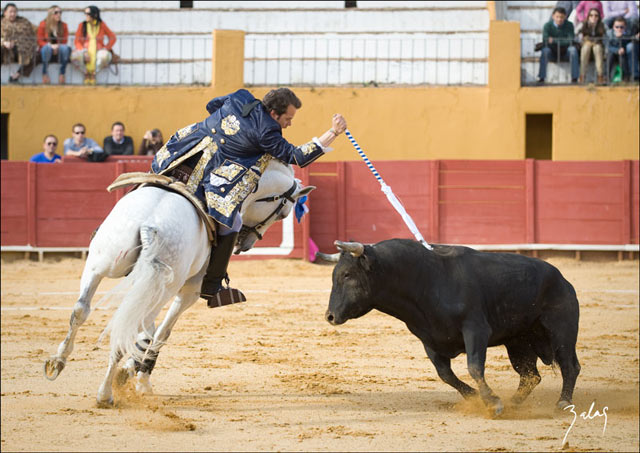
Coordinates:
(226, 296)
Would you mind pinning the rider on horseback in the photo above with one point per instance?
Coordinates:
(221, 159)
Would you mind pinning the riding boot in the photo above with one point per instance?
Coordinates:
(212, 289)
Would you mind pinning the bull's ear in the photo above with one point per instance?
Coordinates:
(355, 248)
(366, 259)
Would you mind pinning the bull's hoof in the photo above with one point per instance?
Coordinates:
(496, 409)
(563, 404)
(52, 367)
(105, 404)
(518, 399)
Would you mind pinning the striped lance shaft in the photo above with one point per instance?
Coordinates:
(363, 155)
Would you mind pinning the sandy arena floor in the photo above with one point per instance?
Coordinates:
(271, 374)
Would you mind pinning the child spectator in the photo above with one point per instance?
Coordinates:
(117, 142)
(626, 9)
(592, 41)
(92, 54)
(151, 143)
(19, 42)
(80, 145)
(557, 37)
(48, 155)
(621, 50)
(52, 40)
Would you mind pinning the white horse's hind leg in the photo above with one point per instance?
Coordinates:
(187, 296)
(89, 283)
(105, 392)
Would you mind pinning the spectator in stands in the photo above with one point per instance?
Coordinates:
(626, 9)
(568, 7)
(582, 13)
(557, 37)
(53, 35)
(592, 41)
(621, 50)
(48, 155)
(19, 42)
(92, 54)
(151, 143)
(80, 145)
(117, 142)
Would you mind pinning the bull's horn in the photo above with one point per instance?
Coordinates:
(355, 248)
(332, 258)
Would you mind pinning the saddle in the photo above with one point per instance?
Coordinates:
(140, 179)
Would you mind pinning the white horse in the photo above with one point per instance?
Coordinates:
(156, 238)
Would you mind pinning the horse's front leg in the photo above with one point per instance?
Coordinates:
(187, 296)
(88, 285)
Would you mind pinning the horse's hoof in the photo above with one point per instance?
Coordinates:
(143, 386)
(105, 404)
(122, 376)
(52, 367)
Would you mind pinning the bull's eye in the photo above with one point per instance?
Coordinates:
(346, 276)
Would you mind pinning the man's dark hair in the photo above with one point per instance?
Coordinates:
(117, 123)
(280, 99)
(559, 9)
(78, 125)
(620, 19)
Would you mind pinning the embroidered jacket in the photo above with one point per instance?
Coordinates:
(235, 143)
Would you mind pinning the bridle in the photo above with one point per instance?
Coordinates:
(283, 197)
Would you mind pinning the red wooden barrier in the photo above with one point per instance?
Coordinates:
(479, 202)
(60, 205)
(470, 202)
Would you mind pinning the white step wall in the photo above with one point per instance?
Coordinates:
(442, 42)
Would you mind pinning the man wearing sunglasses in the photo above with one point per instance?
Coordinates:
(622, 50)
(48, 155)
(80, 145)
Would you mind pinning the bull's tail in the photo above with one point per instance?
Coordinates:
(148, 293)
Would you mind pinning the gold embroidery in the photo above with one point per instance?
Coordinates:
(230, 125)
(162, 155)
(307, 148)
(210, 147)
(262, 163)
(229, 170)
(185, 131)
(226, 205)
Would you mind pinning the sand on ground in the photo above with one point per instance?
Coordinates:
(272, 374)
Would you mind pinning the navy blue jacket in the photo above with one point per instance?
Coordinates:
(236, 143)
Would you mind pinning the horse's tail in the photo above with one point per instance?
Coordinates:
(148, 280)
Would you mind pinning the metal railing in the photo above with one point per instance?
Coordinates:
(559, 65)
(144, 60)
(376, 61)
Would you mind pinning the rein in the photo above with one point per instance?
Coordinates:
(284, 197)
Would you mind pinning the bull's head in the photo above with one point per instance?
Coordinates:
(352, 280)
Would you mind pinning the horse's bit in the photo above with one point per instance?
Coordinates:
(284, 197)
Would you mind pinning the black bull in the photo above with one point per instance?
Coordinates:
(456, 299)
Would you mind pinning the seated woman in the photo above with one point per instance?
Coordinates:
(19, 42)
(52, 40)
(592, 32)
(151, 143)
(92, 54)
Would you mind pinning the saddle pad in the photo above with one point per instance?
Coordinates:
(165, 182)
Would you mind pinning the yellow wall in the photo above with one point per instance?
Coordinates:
(399, 123)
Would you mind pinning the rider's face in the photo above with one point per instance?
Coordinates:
(286, 118)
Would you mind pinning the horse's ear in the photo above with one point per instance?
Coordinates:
(304, 191)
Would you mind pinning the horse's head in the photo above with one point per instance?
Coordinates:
(274, 198)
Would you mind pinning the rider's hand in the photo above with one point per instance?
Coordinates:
(338, 123)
